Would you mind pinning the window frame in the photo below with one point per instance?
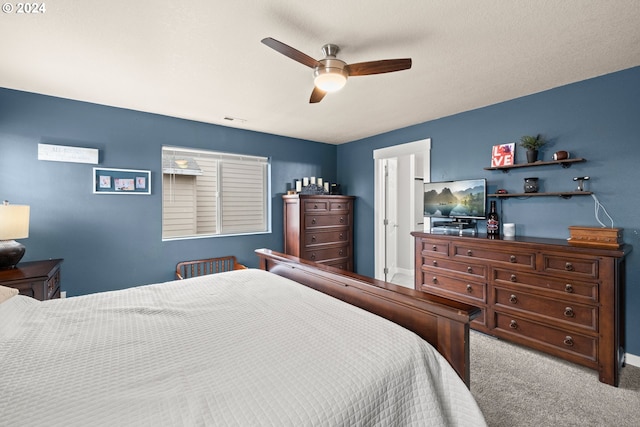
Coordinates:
(220, 158)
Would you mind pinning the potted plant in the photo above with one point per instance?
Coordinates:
(532, 144)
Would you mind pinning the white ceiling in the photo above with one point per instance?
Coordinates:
(203, 60)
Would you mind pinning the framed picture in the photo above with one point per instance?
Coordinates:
(503, 154)
(121, 181)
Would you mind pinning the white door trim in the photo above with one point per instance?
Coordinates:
(421, 146)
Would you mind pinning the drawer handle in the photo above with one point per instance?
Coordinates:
(568, 341)
(469, 288)
(568, 312)
(568, 288)
(513, 324)
(315, 206)
(313, 221)
(313, 256)
(513, 299)
(434, 279)
(313, 238)
(568, 266)
(434, 247)
(341, 220)
(435, 263)
(341, 236)
(469, 252)
(341, 252)
(469, 269)
(512, 258)
(513, 278)
(339, 206)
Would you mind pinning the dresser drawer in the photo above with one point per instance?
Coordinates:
(313, 205)
(339, 206)
(570, 266)
(535, 335)
(513, 258)
(434, 247)
(567, 289)
(316, 221)
(327, 254)
(320, 237)
(466, 290)
(480, 322)
(342, 264)
(547, 309)
(475, 271)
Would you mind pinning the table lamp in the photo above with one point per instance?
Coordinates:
(14, 224)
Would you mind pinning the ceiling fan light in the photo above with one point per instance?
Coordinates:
(330, 79)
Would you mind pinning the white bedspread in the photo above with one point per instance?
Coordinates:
(240, 348)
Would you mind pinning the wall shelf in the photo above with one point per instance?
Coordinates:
(563, 194)
(564, 163)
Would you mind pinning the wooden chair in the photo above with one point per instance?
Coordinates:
(186, 269)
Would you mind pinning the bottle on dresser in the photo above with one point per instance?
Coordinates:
(493, 222)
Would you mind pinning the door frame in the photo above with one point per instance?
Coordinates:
(422, 146)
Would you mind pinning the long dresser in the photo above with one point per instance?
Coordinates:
(319, 228)
(541, 293)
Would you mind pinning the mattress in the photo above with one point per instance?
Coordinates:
(241, 348)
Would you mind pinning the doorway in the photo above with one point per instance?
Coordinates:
(399, 173)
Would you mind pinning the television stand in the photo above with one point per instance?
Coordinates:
(460, 227)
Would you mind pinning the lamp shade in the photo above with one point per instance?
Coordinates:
(14, 221)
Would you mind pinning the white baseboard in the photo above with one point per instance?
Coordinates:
(633, 360)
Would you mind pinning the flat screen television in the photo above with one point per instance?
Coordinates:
(457, 200)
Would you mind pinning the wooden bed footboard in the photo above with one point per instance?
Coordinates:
(442, 322)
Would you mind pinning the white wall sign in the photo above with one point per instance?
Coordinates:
(62, 153)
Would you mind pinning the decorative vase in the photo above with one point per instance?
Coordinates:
(531, 185)
(532, 156)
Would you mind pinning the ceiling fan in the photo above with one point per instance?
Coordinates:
(330, 73)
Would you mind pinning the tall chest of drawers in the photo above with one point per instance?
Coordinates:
(542, 293)
(319, 228)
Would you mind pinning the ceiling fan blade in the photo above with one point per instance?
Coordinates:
(378, 67)
(292, 53)
(316, 95)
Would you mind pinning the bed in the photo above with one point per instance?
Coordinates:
(246, 347)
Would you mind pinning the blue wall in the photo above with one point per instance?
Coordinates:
(114, 241)
(597, 119)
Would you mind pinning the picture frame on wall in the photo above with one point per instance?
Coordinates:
(503, 155)
(121, 181)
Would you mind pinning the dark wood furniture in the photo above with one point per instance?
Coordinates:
(542, 293)
(200, 267)
(319, 228)
(36, 279)
(442, 322)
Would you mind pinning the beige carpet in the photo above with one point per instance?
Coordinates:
(516, 386)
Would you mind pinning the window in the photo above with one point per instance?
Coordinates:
(208, 193)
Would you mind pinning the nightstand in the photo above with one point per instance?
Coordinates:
(36, 279)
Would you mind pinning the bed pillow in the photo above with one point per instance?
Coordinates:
(6, 293)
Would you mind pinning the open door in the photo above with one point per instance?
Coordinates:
(398, 171)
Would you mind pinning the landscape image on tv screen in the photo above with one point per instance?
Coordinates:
(455, 199)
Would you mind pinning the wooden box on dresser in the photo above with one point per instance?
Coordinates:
(319, 228)
(541, 293)
(36, 279)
